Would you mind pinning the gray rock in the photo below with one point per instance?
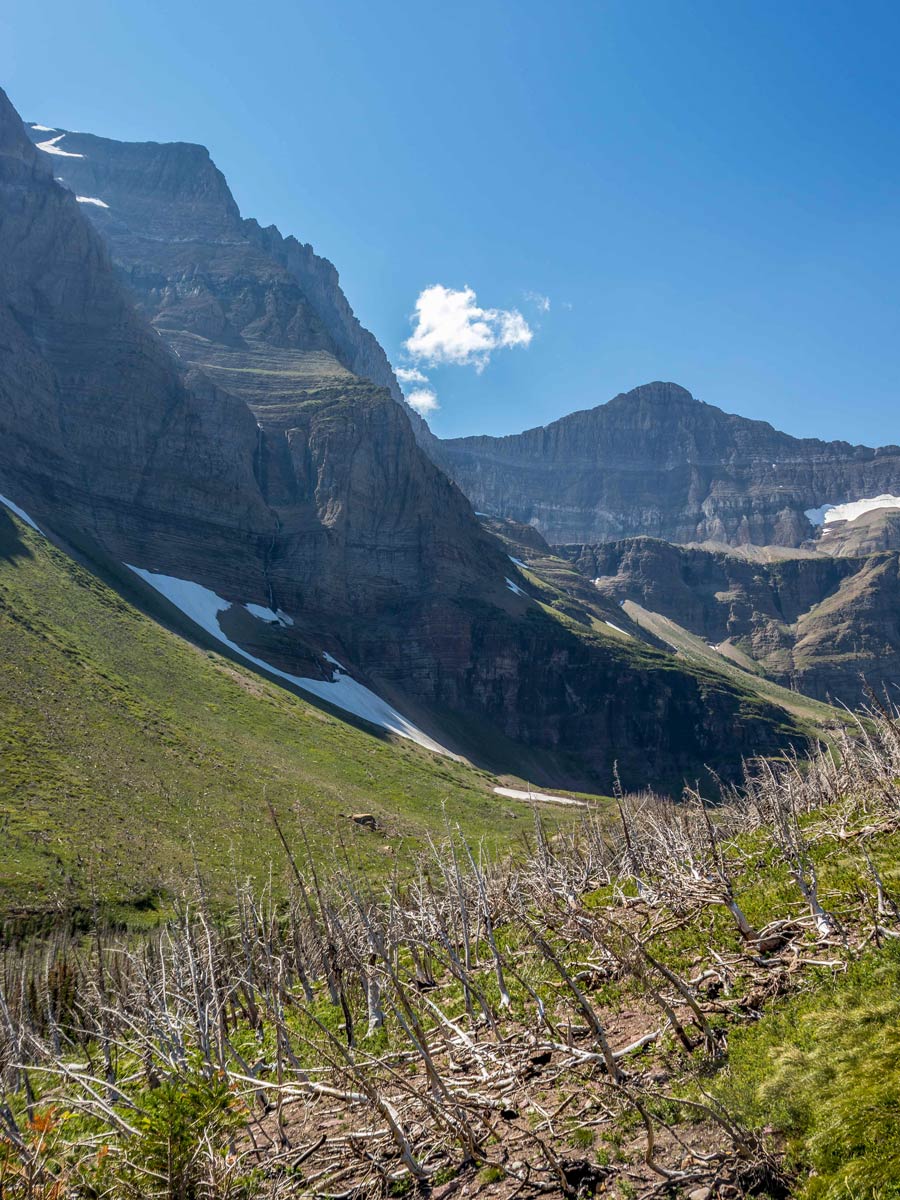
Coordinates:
(657, 462)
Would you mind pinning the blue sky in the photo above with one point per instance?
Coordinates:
(705, 190)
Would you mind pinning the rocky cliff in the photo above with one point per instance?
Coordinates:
(657, 462)
(827, 626)
(253, 461)
(97, 427)
(245, 279)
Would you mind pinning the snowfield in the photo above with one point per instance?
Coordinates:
(543, 797)
(203, 607)
(91, 199)
(50, 147)
(266, 614)
(827, 513)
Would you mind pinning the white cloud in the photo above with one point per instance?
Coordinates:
(451, 328)
(410, 375)
(542, 303)
(424, 401)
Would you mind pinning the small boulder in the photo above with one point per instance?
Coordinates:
(367, 820)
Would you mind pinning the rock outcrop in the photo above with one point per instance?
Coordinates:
(252, 460)
(657, 462)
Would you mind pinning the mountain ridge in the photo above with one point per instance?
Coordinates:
(705, 475)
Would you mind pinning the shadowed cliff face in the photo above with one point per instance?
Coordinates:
(657, 462)
(96, 426)
(255, 462)
(827, 626)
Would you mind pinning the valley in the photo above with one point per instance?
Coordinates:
(391, 815)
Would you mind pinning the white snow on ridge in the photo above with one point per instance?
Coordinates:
(91, 200)
(43, 129)
(519, 794)
(513, 587)
(517, 561)
(617, 628)
(850, 511)
(50, 147)
(204, 606)
(23, 516)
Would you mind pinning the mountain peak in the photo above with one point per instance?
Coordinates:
(656, 461)
(156, 187)
(655, 393)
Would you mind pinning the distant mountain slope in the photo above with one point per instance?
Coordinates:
(319, 503)
(826, 626)
(657, 462)
(130, 754)
(869, 533)
(685, 610)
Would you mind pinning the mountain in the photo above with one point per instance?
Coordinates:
(280, 500)
(203, 275)
(657, 462)
(133, 758)
(828, 626)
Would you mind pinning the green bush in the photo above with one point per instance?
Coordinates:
(175, 1120)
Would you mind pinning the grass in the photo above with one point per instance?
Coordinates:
(811, 1059)
(815, 715)
(133, 758)
(565, 594)
(823, 1070)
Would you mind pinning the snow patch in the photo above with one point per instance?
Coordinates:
(43, 128)
(50, 147)
(519, 794)
(827, 513)
(203, 607)
(23, 516)
(266, 614)
(514, 587)
(617, 628)
(91, 200)
(517, 561)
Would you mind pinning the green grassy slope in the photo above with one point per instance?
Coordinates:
(729, 661)
(129, 754)
(568, 595)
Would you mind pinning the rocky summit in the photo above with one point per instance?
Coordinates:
(657, 462)
(190, 394)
